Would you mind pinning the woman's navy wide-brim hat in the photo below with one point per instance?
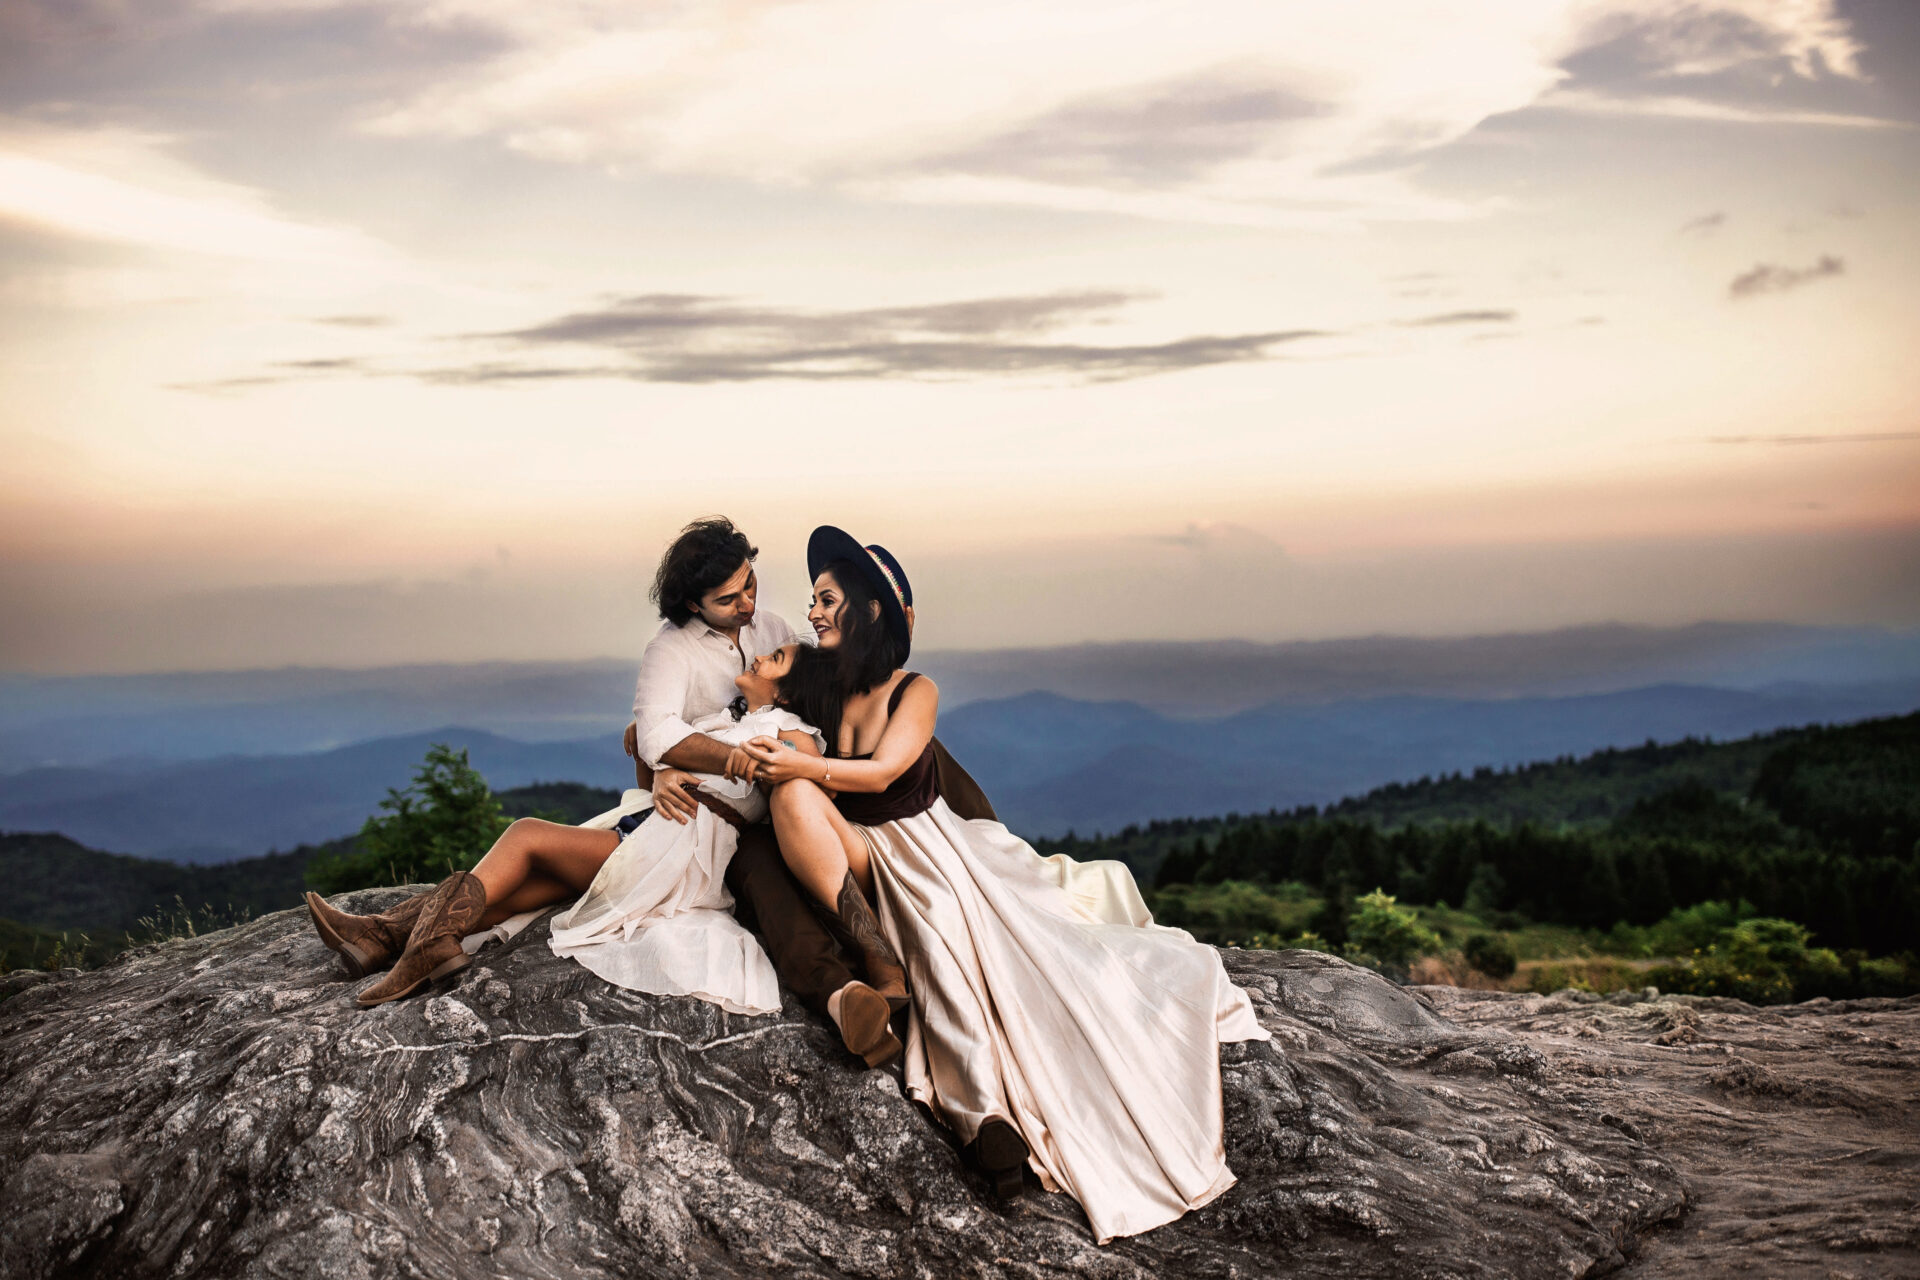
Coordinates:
(881, 572)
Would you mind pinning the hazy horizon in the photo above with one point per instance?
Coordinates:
(1703, 627)
(352, 332)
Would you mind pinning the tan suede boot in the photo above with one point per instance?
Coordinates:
(433, 949)
(365, 943)
(865, 1021)
(885, 973)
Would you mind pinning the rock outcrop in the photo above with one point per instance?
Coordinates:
(219, 1106)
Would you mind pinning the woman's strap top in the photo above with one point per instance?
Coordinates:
(913, 792)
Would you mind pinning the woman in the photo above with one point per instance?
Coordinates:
(652, 912)
(1052, 1024)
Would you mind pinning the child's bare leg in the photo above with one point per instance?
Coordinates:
(536, 891)
(535, 863)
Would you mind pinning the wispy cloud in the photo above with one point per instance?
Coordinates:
(1460, 317)
(1862, 437)
(690, 338)
(355, 322)
(1680, 107)
(128, 188)
(683, 338)
(1221, 536)
(1705, 224)
(1270, 112)
(1767, 277)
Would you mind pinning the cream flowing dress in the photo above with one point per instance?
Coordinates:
(1044, 994)
(658, 916)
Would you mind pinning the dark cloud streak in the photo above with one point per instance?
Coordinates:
(695, 339)
(689, 338)
(649, 320)
(1460, 317)
(904, 360)
(1766, 277)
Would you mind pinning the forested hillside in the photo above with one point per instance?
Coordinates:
(1813, 826)
(1818, 826)
(51, 886)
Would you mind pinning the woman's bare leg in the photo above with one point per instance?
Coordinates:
(830, 859)
(820, 846)
(536, 863)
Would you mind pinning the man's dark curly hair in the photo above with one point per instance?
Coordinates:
(704, 556)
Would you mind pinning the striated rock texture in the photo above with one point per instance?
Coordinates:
(1797, 1128)
(219, 1107)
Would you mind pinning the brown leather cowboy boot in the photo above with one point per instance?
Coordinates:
(433, 949)
(885, 973)
(865, 1020)
(1001, 1153)
(365, 943)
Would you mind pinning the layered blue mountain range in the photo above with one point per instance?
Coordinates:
(1050, 762)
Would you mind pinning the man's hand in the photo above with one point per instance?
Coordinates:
(630, 742)
(741, 765)
(670, 798)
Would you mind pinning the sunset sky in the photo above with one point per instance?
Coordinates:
(354, 333)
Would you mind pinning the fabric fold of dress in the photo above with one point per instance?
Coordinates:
(658, 917)
(1044, 995)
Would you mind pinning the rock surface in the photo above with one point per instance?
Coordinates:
(1796, 1128)
(219, 1107)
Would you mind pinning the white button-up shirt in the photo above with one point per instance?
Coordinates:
(687, 673)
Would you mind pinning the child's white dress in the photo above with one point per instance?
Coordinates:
(658, 917)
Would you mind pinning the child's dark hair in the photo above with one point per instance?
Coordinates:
(811, 690)
(704, 556)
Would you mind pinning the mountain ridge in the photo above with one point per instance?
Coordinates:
(91, 720)
(1050, 763)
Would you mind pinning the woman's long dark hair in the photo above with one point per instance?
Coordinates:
(818, 684)
(866, 653)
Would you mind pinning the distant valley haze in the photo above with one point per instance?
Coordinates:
(216, 766)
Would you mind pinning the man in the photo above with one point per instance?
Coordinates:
(712, 627)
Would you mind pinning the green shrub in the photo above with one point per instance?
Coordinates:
(1387, 933)
(444, 822)
(1768, 961)
(1491, 955)
(1227, 913)
(1600, 975)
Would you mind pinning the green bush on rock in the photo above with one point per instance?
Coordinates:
(1386, 933)
(445, 821)
(1768, 961)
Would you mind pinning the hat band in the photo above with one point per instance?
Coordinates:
(887, 573)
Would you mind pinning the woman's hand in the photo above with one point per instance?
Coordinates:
(780, 763)
(741, 765)
(670, 798)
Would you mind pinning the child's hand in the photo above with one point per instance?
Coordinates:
(741, 765)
